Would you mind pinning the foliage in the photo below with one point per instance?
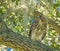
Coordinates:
(17, 14)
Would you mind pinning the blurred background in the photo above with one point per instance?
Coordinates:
(17, 16)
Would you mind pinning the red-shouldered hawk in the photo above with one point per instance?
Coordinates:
(38, 28)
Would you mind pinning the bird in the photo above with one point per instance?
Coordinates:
(38, 28)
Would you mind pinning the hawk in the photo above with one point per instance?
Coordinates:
(38, 28)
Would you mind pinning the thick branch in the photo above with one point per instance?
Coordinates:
(17, 41)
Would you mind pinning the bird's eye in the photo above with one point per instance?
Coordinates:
(40, 16)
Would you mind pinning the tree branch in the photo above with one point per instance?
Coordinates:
(17, 41)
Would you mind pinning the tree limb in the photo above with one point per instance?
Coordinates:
(17, 41)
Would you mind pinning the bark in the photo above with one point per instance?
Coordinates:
(19, 42)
